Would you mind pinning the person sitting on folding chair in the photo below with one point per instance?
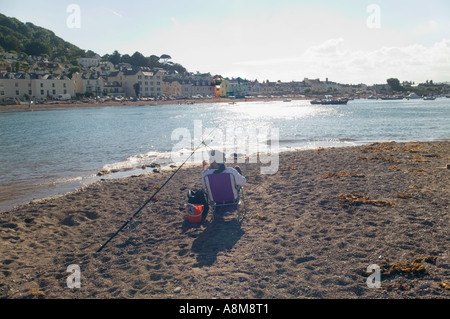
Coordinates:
(217, 165)
(223, 185)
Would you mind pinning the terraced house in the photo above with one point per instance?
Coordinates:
(88, 83)
(139, 82)
(26, 86)
(235, 87)
(187, 88)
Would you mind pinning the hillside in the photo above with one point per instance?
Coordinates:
(33, 40)
(27, 38)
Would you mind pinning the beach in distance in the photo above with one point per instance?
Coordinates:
(322, 227)
(112, 103)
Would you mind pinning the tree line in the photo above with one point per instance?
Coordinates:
(152, 61)
(29, 39)
(429, 88)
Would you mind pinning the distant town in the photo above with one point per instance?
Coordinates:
(37, 79)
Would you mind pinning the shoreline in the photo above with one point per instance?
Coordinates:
(311, 230)
(149, 170)
(79, 104)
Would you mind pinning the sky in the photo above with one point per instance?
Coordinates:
(346, 41)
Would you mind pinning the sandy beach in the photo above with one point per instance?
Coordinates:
(310, 231)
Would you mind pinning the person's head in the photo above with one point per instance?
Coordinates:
(216, 158)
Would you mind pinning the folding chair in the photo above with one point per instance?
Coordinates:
(223, 191)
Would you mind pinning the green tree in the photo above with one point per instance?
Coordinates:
(153, 61)
(125, 58)
(178, 68)
(165, 58)
(115, 57)
(11, 43)
(395, 85)
(137, 59)
(90, 54)
(37, 48)
(73, 70)
(136, 88)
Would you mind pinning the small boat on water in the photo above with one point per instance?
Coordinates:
(388, 98)
(413, 96)
(328, 100)
(429, 98)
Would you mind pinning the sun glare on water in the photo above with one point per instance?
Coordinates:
(267, 111)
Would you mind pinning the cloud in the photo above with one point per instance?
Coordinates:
(327, 48)
(333, 59)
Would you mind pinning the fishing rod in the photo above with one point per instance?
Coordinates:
(153, 196)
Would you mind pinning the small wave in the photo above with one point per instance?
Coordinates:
(188, 155)
(346, 139)
(131, 162)
(47, 183)
(64, 180)
(291, 140)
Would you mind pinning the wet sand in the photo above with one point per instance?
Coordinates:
(310, 231)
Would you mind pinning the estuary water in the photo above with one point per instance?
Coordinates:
(49, 152)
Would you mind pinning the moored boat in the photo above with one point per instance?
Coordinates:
(388, 98)
(413, 96)
(329, 101)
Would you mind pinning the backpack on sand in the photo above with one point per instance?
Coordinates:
(199, 197)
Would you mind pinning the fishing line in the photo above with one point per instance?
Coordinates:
(153, 196)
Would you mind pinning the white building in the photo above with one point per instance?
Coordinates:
(90, 83)
(23, 86)
(142, 82)
(88, 62)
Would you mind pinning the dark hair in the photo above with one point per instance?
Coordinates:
(220, 169)
(221, 161)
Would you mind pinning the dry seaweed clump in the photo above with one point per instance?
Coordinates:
(380, 147)
(37, 293)
(392, 146)
(413, 269)
(413, 148)
(404, 195)
(445, 285)
(348, 200)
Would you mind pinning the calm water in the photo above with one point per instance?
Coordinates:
(49, 152)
